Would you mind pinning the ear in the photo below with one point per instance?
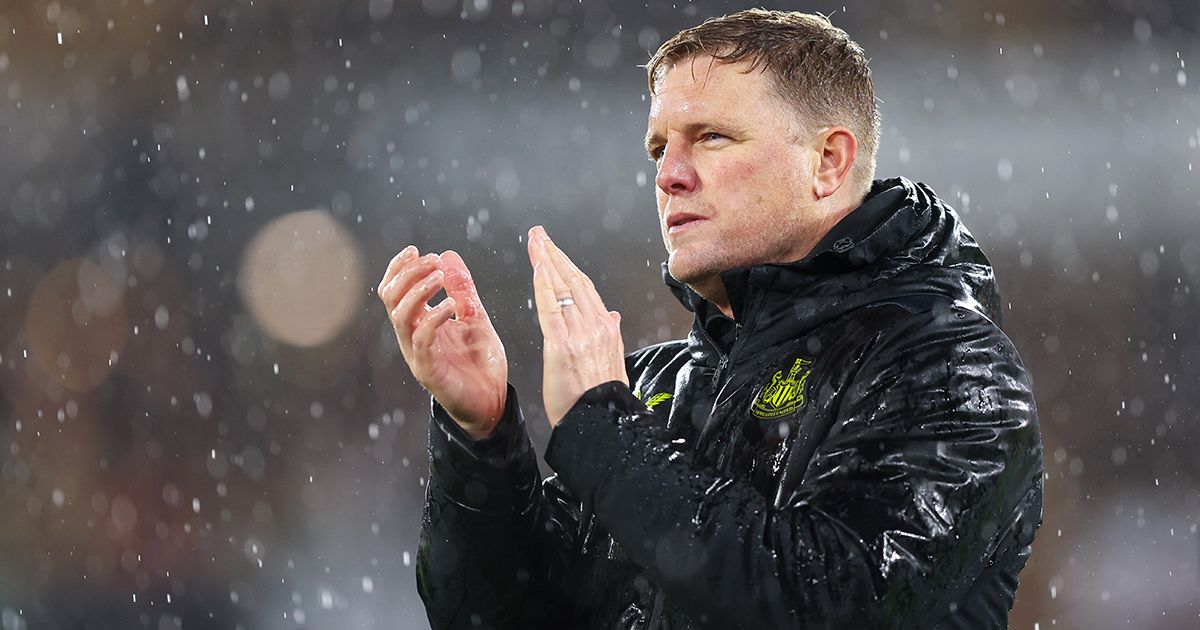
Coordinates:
(836, 148)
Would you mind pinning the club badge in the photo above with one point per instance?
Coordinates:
(784, 394)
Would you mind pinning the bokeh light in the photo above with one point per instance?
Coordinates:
(76, 324)
(301, 278)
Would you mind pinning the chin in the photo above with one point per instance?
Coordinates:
(688, 271)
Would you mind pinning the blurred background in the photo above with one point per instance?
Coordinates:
(204, 418)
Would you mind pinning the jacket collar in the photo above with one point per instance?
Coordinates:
(864, 258)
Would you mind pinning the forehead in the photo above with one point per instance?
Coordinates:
(704, 84)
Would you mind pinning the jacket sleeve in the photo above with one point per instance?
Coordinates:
(932, 457)
(494, 539)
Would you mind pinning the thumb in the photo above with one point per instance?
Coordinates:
(459, 284)
(616, 317)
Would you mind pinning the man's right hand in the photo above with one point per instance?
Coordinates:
(452, 348)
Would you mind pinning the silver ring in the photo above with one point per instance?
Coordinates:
(565, 301)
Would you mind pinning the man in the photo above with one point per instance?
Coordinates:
(845, 438)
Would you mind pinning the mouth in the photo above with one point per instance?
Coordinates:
(680, 222)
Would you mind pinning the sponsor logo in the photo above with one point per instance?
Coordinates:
(784, 394)
(654, 400)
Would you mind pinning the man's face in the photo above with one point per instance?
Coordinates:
(735, 171)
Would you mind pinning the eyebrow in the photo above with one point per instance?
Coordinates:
(653, 138)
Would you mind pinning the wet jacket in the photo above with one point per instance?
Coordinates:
(857, 447)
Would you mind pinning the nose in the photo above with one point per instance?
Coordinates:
(676, 175)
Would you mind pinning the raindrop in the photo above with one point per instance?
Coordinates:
(1148, 262)
(279, 86)
(380, 9)
(1004, 168)
(204, 405)
(465, 64)
(1142, 30)
(161, 317)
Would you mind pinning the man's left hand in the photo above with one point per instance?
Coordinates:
(582, 345)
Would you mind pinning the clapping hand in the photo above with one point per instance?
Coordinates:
(582, 345)
(452, 348)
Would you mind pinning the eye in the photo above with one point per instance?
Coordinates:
(712, 135)
(655, 153)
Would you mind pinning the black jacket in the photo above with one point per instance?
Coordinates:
(860, 449)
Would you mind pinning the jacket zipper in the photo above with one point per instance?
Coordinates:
(724, 361)
(722, 365)
(716, 379)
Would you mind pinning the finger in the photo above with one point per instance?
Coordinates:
(409, 274)
(577, 282)
(537, 253)
(543, 283)
(425, 332)
(394, 266)
(416, 302)
(460, 286)
(567, 267)
(571, 313)
(616, 318)
(548, 310)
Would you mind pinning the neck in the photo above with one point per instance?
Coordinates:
(713, 290)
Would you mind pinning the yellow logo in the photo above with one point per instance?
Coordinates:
(654, 400)
(784, 394)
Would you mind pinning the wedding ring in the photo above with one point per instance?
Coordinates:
(565, 301)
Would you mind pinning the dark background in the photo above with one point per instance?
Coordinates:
(204, 418)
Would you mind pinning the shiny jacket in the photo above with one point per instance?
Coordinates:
(858, 447)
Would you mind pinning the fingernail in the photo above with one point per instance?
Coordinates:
(408, 251)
